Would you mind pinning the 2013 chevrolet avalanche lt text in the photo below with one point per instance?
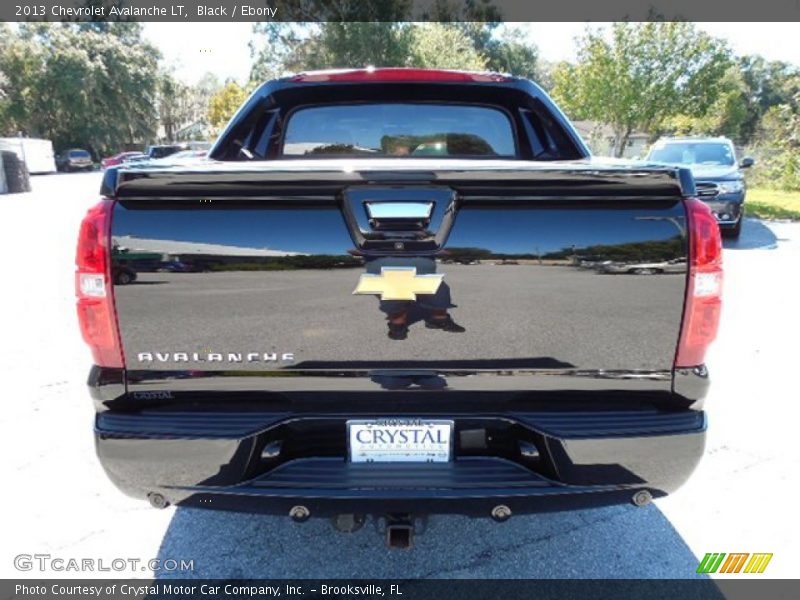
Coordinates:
(388, 303)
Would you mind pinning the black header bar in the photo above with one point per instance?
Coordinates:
(399, 10)
(700, 588)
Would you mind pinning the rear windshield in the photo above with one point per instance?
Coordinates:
(693, 153)
(413, 130)
(78, 154)
(162, 151)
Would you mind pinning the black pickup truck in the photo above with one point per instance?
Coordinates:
(387, 307)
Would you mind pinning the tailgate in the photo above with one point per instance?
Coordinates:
(282, 278)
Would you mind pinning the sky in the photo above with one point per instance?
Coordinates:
(222, 48)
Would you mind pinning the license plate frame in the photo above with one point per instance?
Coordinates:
(399, 449)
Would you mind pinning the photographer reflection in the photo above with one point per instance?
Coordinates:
(433, 308)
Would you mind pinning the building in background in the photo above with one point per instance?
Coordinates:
(600, 139)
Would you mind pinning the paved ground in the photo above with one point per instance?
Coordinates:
(57, 501)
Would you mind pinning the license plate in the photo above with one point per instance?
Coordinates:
(400, 440)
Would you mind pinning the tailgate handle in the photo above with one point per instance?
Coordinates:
(399, 215)
(392, 219)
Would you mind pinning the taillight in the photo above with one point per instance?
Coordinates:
(93, 287)
(704, 286)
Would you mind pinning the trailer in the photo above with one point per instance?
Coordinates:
(37, 154)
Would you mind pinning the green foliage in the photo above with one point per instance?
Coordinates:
(280, 48)
(726, 116)
(628, 252)
(180, 104)
(361, 44)
(506, 50)
(769, 84)
(275, 47)
(777, 147)
(225, 103)
(292, 263)
(747, 92)
(467, 254)
(440, 46)
(293, 47)
(174, 104)
(643, 75)
(79, 84)
(5, 34)
(773, 204)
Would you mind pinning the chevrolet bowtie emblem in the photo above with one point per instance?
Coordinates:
(398, 283)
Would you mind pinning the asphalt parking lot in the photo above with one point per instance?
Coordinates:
(58, 501)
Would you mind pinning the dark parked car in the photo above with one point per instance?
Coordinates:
(123, 274)
(401, 386)
(177, 266)
(75, 159)
(718, 177)
(164, 150)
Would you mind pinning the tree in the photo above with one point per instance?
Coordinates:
(641, 76)
(80, 85)
(175, 108)
(181, 105)
(778, 143)
(506, 50)
(439, 46)
(21, 67)
(224, 104)
(5, 34)
(361, 45)
(768, 84)
(545, 72)
(727, 116)
(320, 34)
(511, 53)
(280, 48)
(275, 46)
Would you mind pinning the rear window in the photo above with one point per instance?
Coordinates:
(78, 154)
(412, 130)
(163, 151)
(693, 153)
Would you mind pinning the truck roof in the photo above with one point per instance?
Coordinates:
(397, 74)
(689, 138)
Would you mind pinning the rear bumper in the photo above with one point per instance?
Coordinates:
(221, 461)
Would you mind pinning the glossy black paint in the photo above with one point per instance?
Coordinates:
(241, 328)
(279, 278)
